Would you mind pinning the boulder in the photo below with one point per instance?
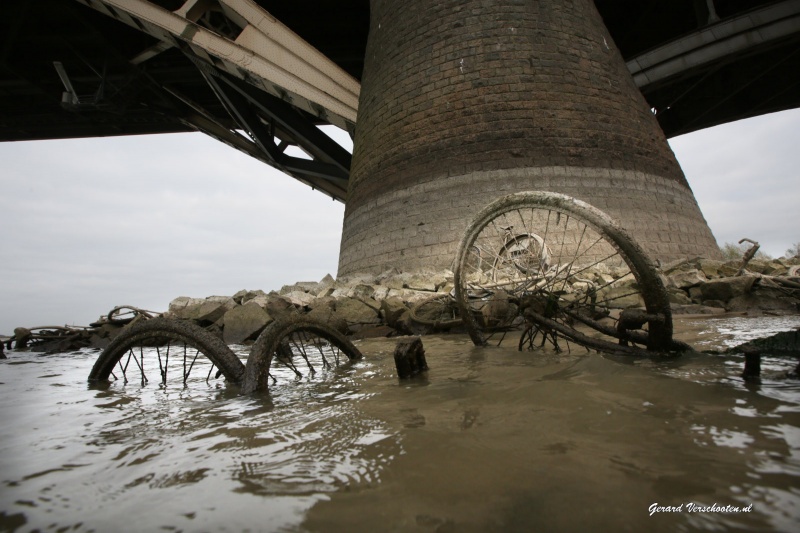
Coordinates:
(244, 322)
(362, 291)
(408, 295)
(181, 302)
(404, 325)
(711, 268)
(386, 278)
(602, 278)
(757, 265)
(424, 281)
(325, 284)
(621, 297)
(672, 266)
(204, 309)
(427, 280)
(244, 296)
(299, 298)
(228, 302)
(354, 279)
(354, 311)
(716, 304)
(391, 310)
(300, 286)
(696, 294)
(727, 288)
(381, 292)
(678, 296)
(204, 312)
(278, 307)
(683, 279)
(327, 315)
(261, 300)
(328, 302)
(776, 268)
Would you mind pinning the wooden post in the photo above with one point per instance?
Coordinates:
(409, 358)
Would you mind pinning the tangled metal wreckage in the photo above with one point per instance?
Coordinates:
(540, 269)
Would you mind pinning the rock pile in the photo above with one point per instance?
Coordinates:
(360, 305)
(368, 305)
(702, 286)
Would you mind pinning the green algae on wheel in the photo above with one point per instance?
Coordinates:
(580, 277)
(168, 350)
(295, 347)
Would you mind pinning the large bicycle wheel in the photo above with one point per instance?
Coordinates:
(293, 348)
(171, 351)
(577, 275)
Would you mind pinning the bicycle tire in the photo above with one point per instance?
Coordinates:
(156, 330)
(545, 211)
(296, 330)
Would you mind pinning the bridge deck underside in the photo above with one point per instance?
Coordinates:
(164, 93)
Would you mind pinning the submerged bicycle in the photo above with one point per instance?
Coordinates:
(554, 268)
(573, 275)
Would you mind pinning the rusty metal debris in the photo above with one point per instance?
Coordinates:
(98, 334)
(782, 344)
(748, 255)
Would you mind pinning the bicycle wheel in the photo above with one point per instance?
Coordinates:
(437, 313)
(585, 279)
(526, 253)
(297, 344)
(170, 349)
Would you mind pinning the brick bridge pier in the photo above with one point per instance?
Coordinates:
(465, 101)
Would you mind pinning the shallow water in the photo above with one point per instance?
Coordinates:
(491, 439)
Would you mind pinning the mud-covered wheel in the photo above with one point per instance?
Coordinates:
(168, 351)
(438, 313)
(292, 348)
(579, 277)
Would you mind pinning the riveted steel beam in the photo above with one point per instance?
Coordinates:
(256, 48)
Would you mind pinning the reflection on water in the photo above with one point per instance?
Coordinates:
(489, 440)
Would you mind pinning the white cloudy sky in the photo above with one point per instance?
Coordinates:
(89, 224)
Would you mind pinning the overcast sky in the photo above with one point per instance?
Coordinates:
(89, 224)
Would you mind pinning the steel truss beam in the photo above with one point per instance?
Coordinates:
(253, 46)
(274, 126)
(274, 86)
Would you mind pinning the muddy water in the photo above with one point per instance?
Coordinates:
(490, 440)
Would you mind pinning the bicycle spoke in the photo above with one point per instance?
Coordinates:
(553, 253)
(150, 342)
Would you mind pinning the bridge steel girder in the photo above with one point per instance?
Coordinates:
(715, 42)
(264, 53)
(266, 118)
(705, 77)
(272, 84)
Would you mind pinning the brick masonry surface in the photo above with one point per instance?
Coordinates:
(421, 226)
(462, 100)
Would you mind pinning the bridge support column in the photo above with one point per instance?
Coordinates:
(465, 101)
